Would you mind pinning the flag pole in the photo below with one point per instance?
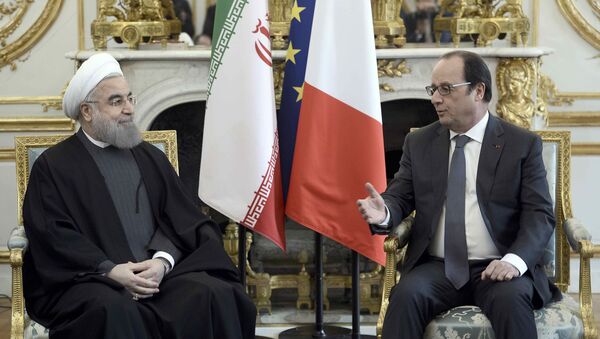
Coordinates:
(318, 330)
(242, 254)
(356, 299)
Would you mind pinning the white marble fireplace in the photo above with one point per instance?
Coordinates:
(165, 78)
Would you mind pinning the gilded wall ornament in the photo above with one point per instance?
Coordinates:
(388, 26)
(12, 14)
(595, 6)
(515, 79)
(579, 23)
(484, 20)
(134, 21)
(549, 93)
(391, 68)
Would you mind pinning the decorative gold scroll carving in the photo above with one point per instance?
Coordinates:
(549, 93)
(391, 68)
(579, 23)
(516, 78)
(595, 6)
(31, 124)
(16, 11)
(12, 51)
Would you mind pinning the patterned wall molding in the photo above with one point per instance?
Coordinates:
(574, 119)
(37, 124)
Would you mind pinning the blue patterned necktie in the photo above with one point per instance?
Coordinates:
(455, 242)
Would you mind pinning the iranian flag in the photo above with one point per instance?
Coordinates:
(239, 171)
(339, 138)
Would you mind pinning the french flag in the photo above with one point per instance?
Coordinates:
(336, 137)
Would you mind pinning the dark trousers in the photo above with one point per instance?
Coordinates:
(190, 305)
(424, 292)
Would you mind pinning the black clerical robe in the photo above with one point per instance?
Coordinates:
(72, 226)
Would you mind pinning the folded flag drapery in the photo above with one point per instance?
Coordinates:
(240, 170)
(330, 121)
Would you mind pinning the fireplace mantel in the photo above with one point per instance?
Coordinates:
(168, 77)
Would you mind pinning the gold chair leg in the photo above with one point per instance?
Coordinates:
(585, 289)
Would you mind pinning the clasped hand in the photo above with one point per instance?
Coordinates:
(140, 279)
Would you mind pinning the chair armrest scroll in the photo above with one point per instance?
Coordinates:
(18, 239)
(402, 230)
(576, 232)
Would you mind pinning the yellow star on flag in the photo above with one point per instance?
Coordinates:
(296, 11)
(300, 91)
(291, 53)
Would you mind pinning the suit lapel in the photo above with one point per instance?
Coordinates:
(491, 149)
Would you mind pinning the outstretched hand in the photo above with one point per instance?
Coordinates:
(372, 207)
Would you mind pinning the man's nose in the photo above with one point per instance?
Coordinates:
(127, 107)
(436, 98)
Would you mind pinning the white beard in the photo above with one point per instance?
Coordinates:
(121, 134)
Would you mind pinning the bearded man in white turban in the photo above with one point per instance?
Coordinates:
(117, 248)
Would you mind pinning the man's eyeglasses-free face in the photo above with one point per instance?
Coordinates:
(444, 89)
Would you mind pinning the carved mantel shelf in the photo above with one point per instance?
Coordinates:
(163, 78)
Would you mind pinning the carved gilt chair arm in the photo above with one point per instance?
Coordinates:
(392, 245)
(580, 240)
(576, 232)
(17, 244)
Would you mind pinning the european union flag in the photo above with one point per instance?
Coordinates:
(293, 84)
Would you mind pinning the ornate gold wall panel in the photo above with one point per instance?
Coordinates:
(585, 149)
(595, 6)
(47, 102)
(574, 119)
(7, 154)
(30, 124)
(516, 78)
(579, 23)
(578, 95)
(11, 51)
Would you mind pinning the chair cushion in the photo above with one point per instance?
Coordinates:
(34, 330)
(559, 320)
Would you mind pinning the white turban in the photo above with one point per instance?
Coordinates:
(87, 77)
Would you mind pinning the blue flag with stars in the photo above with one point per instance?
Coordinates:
(293, 84)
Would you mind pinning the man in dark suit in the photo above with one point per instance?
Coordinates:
(483, 211)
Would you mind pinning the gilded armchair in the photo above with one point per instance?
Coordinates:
(27, 149)
(564, 319)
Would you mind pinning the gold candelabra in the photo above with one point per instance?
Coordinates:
(485, 20)
(134, 21)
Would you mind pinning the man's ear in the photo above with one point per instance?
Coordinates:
(480, 91)
(85, 111)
